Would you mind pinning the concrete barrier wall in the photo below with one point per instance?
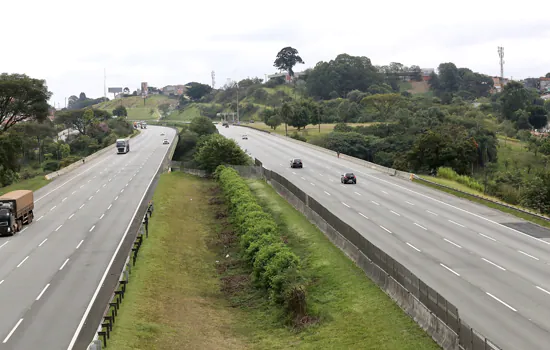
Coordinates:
(433, 325)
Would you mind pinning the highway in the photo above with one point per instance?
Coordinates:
(497, 276)
(49, 272)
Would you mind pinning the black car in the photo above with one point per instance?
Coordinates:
(296, 163)
(348, 178)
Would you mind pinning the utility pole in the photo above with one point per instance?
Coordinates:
(105, 83)
(213, 74)
(237, 103)
(501, 56)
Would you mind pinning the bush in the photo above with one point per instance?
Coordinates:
(450, 174)
(298, 137)
(274, 266)
(50, 165)
(68, 161)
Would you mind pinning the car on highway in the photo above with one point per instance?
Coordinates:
(165, 142)
(296, 163)
(348, 178)
(162, 134)
(245, 137)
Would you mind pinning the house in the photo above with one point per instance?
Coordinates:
(426, 73)
(498, 84)
(174, 90)
(544, 84)
(288, 78)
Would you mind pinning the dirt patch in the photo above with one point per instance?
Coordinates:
(234, 284)
(215, 201)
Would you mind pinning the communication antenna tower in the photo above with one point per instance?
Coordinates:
(501, 55)
(213, 80)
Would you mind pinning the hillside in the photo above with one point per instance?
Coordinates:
(138, 108)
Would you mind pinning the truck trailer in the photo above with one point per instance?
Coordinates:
(123, 145)
(16, 210)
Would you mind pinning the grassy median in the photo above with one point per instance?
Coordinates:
(186, 292)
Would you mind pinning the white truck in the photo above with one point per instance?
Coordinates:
(123, 146)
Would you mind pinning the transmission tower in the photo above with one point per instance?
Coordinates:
(501, 55)
(213, 80)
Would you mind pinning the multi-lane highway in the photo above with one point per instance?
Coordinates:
(50, 271)
(497, 276)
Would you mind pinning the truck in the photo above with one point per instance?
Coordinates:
(16, 210)
(143, 125)
(122, 146)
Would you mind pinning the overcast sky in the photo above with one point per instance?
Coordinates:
(69, 43)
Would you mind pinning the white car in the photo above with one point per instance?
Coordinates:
(165, 142)
(245, 137)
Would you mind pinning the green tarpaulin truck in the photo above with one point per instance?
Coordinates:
(16, 210)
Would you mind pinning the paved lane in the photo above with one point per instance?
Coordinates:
(461, 249)
(51, 270)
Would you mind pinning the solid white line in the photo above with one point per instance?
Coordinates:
(363, 216)
(385, 229)
(395, 213)
(71, 216)
(542, 289)
(375, 203)
(422, 227)
(40, 218)
(64, 199)
(101, 217)
(21, 263)
(110, 205)
(500, 301)
(409, 203)
(448, 268)
(4, 244)
(456, 223)
(12, 331)
(42, 292)
(55, 206)
(357, 193)
(312, 184)
(65, 263)
(44, 241)
(81, 324)
(491, 238)
(71, 179)
(92, 228)
(492, 263)
(413, 247)
(431, 212)
(116, 198)
(451, 242)
(327, 193)
(82, 206)
(529, 255)
(78, 246)
(346, 205)
(58, 227)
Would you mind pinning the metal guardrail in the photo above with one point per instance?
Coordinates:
(111, 311)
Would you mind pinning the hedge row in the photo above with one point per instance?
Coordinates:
(274, 266)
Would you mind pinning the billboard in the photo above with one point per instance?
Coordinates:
(115, 90)
(144, 88)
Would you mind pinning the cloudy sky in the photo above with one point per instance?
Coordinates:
(174, 42)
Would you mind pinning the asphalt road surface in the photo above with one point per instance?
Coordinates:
(497, 276)
(50, 270)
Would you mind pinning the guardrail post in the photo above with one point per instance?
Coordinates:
(103, 334)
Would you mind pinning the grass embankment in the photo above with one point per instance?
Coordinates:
(33, 184)
(174, 300)
(308, 132)
(137, 107)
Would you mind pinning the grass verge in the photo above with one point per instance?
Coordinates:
(461, 187)
(173, 299)
(354, 313)
(33, 184)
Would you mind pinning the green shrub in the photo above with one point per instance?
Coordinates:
(450, 174)
(274, 266)
(50, 165)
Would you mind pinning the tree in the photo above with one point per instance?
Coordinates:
(217, 150)
(514, 97)
(197, 90)
(538, 117)
(286, 115)
(274, 121)
(286, 59)
(385, 104)
(299, 118)
(120, 111)
(22, 98)
(164, 108)
(80, 119)
(202, 126)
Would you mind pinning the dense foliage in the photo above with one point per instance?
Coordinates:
(275, 267)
